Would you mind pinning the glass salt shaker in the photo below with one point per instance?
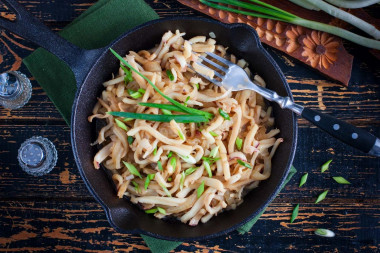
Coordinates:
(37, 156)
(15, 89)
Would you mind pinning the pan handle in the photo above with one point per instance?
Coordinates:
(27, 26)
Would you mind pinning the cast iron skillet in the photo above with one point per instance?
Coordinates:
(92, 67)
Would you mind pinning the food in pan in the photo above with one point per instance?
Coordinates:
(176, 144)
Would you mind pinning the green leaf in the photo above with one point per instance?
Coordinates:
(324, 232)
(136, 95)
(132, 169)
(121, 125)
(303, 179)
(166, 112)
(224, 114)
(128, 74)
(161, 118)
(325, 166)
(155, 151)
(189, 171)
(244, 164)
(153, 210)
(165, 190)
(148, 179)
(321, 196)
(170, 74)
(163, 106)
(208, 168)
(214, 152)
(341, 180)
(294, 213)
(142, 91)
(159, 164)
(201, 189)
(161, 210)
(182, 181)
(130, 140)
(213, 133)
(239, 143)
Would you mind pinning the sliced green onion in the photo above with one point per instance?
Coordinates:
(321, 196)
(163, 106)
(213, 133)
(324, 232)
(136, 95)
(188, 159)
(208, 168)
(155, 151)
(166, 112)
(187, 99)
(294, 213)
(173, 162)
(197, 85)
(132, 169)
(179, 105)
(137, 186)
(201, 189)
(239, 143)
(214, 152)
(170, 74)
(126, 119)
(170, 179)
(128, 74)
(210, 160)
(244, 164)
(141, 90)
(325, 166)
(161, 118)
(180, 134)
(159, 164)
(189, 171)
(224, 114)
(165, 190)
(153, 210)
(121, 125)
(170, 154)
(341, 180)
(148, 179)
(182, 181)
(161, 210)
(303, 179)
(350, 4)
(130, 140)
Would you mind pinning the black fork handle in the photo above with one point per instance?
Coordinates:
(27, 26)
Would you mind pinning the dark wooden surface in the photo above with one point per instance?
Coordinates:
(56, 212)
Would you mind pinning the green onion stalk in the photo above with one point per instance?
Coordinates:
(352, 4)
(264, 10)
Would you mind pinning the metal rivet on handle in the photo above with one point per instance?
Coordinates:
(317, 118)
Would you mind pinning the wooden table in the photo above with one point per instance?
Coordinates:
(56, 212)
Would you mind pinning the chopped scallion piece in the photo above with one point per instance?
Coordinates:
(127, 119)
(148, 179)
(213, 133)
(189, 171)
(166, 112)
(170, 154)
(153, 210)
(324, 232)
(137, 186)
(141, 90)
(180, 134)
(197, 85)
(224, 114)
(132, 169)
(294, 213)
(303, 179)
(321, 196)
(239, 143)
(165, 190)
(121, 125)
(214, 152)
(341, 180)
(201, 189)
(187, 99)
(170, 179)
(173, 162)
(325, 166)
(130, 140)
(210, 160)
(159, 164)
(208, 168)
(128, 74)
(244, 164)
(136, 95)
(161, 210)
(170, 74)
(155, 151)
(182, 181)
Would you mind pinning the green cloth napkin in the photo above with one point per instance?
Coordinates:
(95, 28)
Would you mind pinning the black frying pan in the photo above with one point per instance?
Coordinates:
(92, 67)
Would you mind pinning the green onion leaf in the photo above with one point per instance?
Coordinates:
(148, 179)
(244, 164)
(182, 181)
(321, 196)
(189, 171)
(197, 85)
(126, 119)
(214, 152)
(165, 190)
(295, 213)
(166, 112)
(187, 99)
(180, 134)
(121, 125)
(130, 140)
(341, 180)
(210, 160)
(170, 179)
(141, 90)
(173, 162)
(161, 118)
(161, 210)
(303, 179)
(155, 151)
(136, 95)
(170, 74)
(213, 133)
(137, 186)
(325, 166)
(208, 168)
(153, 210)
(163, 106)
(170, 154)
(224, 114)
(159, 164)
(239, 143)
(201, 189)
(324, 232)
(179, 105)
(132, 169)
(128, 74)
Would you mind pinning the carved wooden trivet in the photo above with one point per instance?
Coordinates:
(322, 51)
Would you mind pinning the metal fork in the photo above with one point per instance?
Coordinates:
(236, 78)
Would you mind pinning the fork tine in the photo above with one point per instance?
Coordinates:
(213, 64)
(214, 81)
(221, 59)
(215, 72)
